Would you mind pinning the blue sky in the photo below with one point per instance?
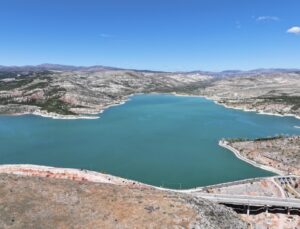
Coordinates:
(152, 34)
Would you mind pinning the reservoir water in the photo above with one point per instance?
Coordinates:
(158, 139)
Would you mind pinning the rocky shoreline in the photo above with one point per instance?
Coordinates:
(261, 112)
(57, 116)
(71, 94)
(96, 115)
(280, 155)
(68, 173)
(237, 153)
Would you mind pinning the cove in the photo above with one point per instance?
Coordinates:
(163, 140)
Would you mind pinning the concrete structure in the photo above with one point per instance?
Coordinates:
(258, 202)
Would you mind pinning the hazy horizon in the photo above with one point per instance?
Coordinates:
(139, 69)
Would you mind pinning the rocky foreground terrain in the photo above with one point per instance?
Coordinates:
(44, 202)
(66, 91)
(282, 153)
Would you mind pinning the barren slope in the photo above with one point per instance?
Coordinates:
(36, 202)
(277, 93)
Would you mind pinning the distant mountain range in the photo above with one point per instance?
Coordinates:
(232, 73)
(54, 67)
(58, 67)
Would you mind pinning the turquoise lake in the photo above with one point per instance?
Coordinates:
(157, 139)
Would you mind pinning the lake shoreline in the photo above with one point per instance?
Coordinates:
(83, 175)
(238, 108)
(260, 112)
(97, 114)
(225, 145)
(68, 173)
